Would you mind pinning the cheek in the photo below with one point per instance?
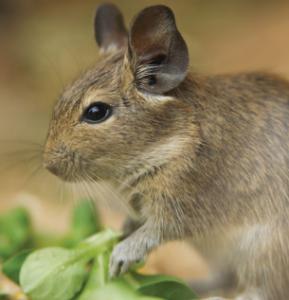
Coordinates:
(91, 142)
(114, 142)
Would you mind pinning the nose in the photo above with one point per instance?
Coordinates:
(50, 165)
(50, 162)
(52, 168)
(57, 159)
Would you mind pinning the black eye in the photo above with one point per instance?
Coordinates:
(97, 112)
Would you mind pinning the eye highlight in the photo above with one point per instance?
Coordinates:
(97, 112)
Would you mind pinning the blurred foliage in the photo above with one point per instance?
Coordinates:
(61, 272)
(16, 232)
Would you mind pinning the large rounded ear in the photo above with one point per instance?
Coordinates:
(158, 53)
(109, 29)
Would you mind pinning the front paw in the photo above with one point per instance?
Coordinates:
(123, 255)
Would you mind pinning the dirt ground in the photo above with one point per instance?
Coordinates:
(45, 44)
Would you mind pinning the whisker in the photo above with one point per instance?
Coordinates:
(72, 55)
(52, 64)
(72, 186)
(24, 151)
(94, 184)
(89, 197)
(61, 190)
(122, 201)
(18, 163)
(130, 187)
(31, 175)
(19, 141)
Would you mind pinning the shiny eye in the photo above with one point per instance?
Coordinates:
(97, 112)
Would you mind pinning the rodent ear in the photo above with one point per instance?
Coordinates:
(109, 29)
(157, 51)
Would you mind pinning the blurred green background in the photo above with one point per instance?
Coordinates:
(44, 44)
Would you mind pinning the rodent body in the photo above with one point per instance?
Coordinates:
(199, 156)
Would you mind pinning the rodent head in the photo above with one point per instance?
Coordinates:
(121, 118)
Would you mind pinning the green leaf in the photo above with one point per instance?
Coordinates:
(85, 220)
(99, 287)
(15, 231)
(98, 275)
(115, 291)
(4, 296)
(137, 265)
(167, 287)
(45, 239)
(169, 291)
(85, 223)
(57, 273)
(11, 268)
(53, 273)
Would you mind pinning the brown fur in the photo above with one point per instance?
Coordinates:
(207, 161)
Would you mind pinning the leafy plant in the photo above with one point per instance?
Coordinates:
(167, 287)
(84, 224)
(15, 232)
(3, 296)
(12, 266)
(58, 273)
(80, 271)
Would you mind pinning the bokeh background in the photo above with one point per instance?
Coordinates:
(44, 44)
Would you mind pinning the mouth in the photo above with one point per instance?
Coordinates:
(60, 164)
(69, 167)
(66, 177)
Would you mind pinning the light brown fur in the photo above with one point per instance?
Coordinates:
(206, 161)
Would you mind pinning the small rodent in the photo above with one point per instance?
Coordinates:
(203, 158)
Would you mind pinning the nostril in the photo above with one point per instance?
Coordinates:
(50, 165)
(56, 161)
(53, 169)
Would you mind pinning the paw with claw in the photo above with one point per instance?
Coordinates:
(124, 254)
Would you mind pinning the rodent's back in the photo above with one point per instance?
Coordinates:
(243, 128)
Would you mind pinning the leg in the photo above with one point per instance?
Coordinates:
(217, 280)
(261, 272)
(133, 249)
(130, 225)
(260, 259)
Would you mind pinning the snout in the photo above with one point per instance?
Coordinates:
(50, 165)
(52, 162)
(59, 162)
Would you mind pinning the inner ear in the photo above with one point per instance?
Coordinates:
(153, 62)
(153, 58)
(109, 28)
(158, 50)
